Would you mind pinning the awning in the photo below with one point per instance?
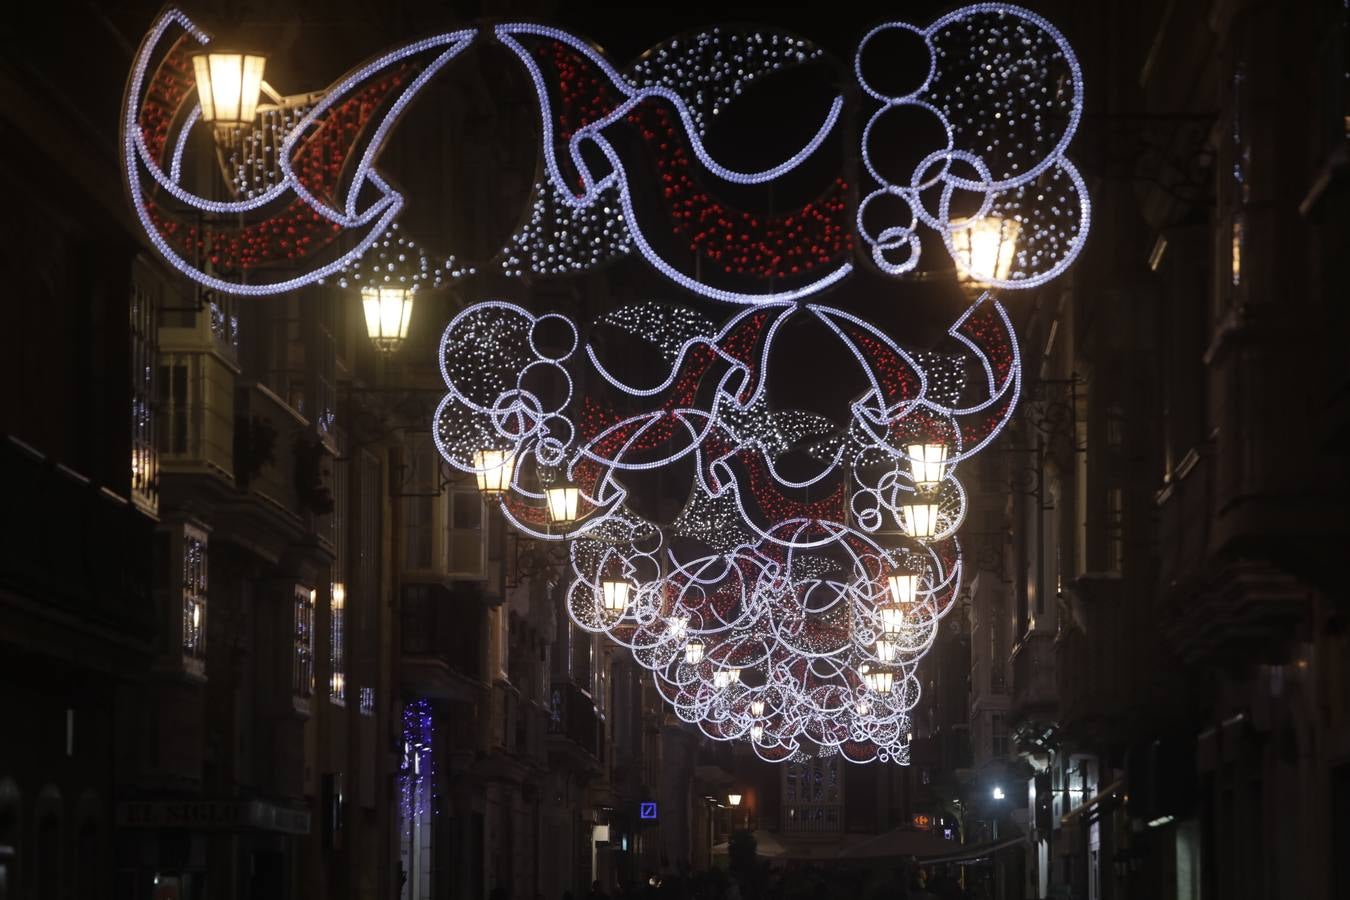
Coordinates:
(973, 852)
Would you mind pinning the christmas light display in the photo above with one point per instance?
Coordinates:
(815, 597)
(1002, 87)
(789, 612)
(417, 769)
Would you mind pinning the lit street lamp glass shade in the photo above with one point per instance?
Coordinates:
(614, 596)
(879, 682)
(892, 620)
(985, 249)
(228, 84)
(886, 651)
(562, 503)
(494, 469)
(388, 311)
(756, 732)
(721, 679)
(734, 799)
(693, 652)
(903, 589)
(734, 675)
(927, 464)
(920, 520)
(757, 708)
(864, 707)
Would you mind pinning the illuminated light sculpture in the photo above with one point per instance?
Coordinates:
(1003, 87)
(781, 582)
(493, 470)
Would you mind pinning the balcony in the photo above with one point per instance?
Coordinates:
(1033, 662)
(1218, 609)
(441, 644)
(196, 433)
(1092, 663)
(574, 727)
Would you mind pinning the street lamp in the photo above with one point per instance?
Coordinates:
(892, 620)
(724, 678)
(998, 793)
(388, 311)
(903, 587)
(693, 653)
(756, 732)
(757, 708)
(562, 503)
(919, 519)
(877, 682)
(927, 465)
(614, 596)
(886, 651)
(984, 249)
(494, 469)
(228, 84)
(734, 799)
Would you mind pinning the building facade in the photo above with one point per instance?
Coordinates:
(255, 639)
(1176, 711)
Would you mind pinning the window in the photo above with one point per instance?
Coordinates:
(173, 437)
(225, 323)
(367, 701)
(144, 348)
(1115, 530)
(465, 534)
(337, 592)
(337, 679)
(1115, 426)
(194, 601)
(999, 732)
(419, 510)
(302, 653)
(998, 678)
(813, 796)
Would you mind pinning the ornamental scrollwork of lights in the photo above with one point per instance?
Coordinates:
(787, 612)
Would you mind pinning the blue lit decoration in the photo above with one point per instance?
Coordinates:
(790, 613)
(647, 811)
(417, 768)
